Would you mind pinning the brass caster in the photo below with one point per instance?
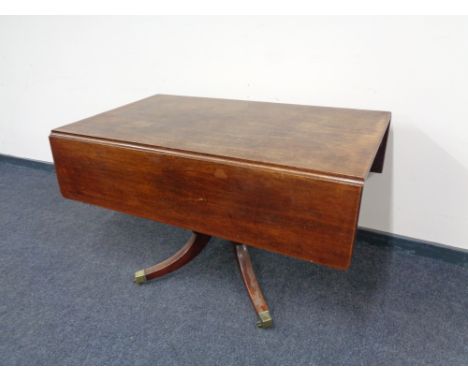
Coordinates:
(140, 277)
(264, 320)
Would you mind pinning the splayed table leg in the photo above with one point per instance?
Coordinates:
(184, 255)
(253, 287)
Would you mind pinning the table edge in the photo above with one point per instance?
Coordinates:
(355, 180)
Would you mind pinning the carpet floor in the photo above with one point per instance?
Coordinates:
(67, 296)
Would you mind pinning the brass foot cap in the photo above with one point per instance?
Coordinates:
(265, 320)
(140, 277)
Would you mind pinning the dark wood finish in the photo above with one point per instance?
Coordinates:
(285, 178)
(319, 140)
(282, 211)
(251, 284)
(184, 255)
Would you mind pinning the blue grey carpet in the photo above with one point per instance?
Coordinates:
(67, 296)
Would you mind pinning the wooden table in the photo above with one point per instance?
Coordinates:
(285, 178)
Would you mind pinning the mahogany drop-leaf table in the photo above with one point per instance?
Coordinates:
(285, 178)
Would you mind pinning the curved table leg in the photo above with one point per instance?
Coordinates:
(253, 288)
(191, 249)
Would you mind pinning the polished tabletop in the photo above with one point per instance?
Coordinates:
(318, 140)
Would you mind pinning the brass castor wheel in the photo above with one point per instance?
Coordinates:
(264, 320)
(140, 277)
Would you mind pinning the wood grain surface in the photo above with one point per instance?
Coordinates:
(333, 141)
(300, 198)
